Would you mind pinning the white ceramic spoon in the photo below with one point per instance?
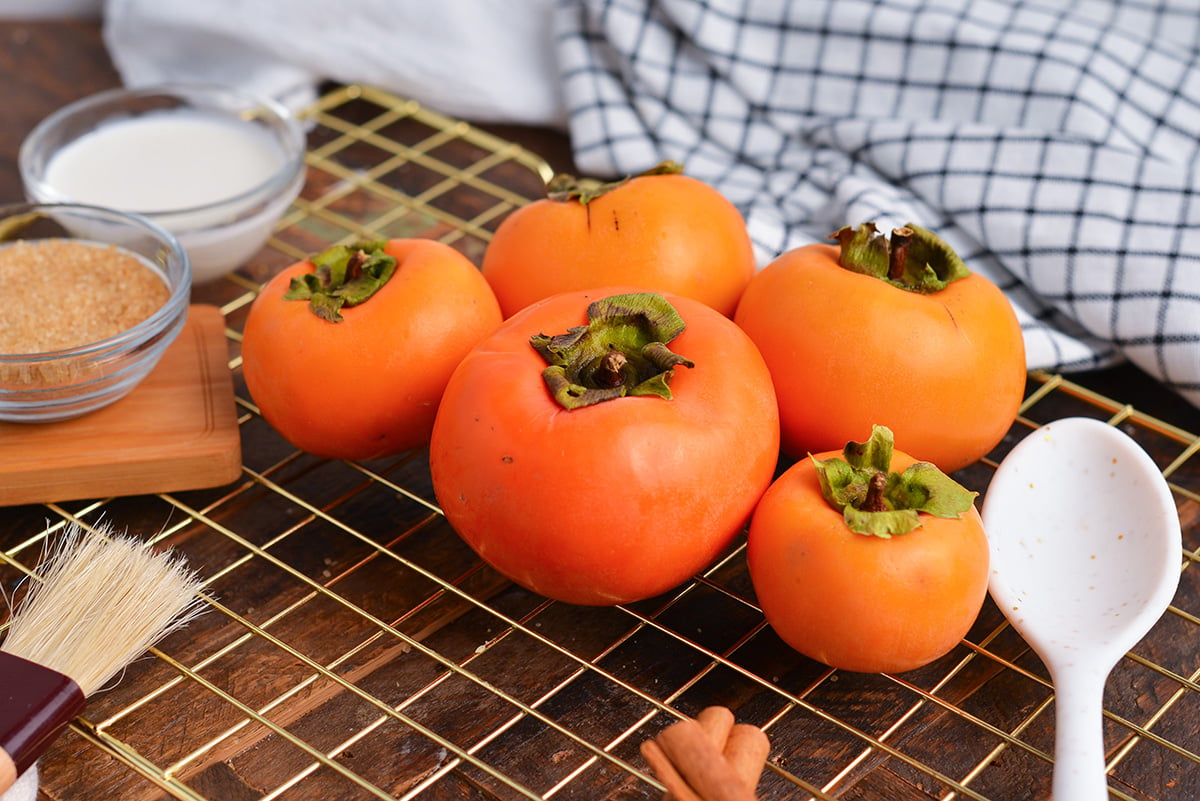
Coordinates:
(1086, 553)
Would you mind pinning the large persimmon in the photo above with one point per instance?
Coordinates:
(660, 230)
(897, 333)
(603, 446)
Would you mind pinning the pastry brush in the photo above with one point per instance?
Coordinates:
(102, 601)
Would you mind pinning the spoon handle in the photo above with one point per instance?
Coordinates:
(1079, 769)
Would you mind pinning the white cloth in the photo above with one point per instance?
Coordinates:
(1051, 142)
(487, 60)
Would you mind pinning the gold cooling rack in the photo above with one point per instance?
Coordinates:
(355, 648)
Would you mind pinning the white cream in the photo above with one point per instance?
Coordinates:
(174, 166)
(164, 161)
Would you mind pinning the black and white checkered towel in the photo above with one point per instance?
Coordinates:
(1053, 143)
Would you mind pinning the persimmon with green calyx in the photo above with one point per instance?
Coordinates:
(896, 331)
(346, 354)
(868, 560)
(659, 230)
(603, 446)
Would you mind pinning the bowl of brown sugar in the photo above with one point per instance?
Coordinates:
(90, 298)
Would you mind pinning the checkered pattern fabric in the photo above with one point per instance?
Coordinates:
(1053, 143)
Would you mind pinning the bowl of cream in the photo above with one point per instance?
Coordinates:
(216, 167)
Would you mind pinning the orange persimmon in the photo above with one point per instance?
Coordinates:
(899, 334)
(660, 230)
(601, 447)
(883, 579)
(347, 354)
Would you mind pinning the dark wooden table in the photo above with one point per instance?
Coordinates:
(356, 649)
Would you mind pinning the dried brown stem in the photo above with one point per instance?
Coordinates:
(898, 254)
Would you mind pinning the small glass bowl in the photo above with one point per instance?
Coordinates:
(219, 236)
(61, 384)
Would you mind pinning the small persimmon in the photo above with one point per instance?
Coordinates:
(867, 560)
(347, 354)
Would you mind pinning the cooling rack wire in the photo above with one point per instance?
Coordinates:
(354, 648)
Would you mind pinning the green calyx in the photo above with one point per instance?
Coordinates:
(912, 258)
(621, 351)
(343, 275)
(876, 501)
(564, 187)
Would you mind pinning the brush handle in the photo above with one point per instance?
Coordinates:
(36, 704)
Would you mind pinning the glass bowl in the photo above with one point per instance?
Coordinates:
(48, 385)
(216, 167)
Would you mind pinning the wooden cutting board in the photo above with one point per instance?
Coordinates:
(177, 430)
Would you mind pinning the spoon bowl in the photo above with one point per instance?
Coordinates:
(1085, 548)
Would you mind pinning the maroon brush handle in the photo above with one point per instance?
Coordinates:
(36, 704)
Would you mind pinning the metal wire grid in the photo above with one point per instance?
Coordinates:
(355, 648)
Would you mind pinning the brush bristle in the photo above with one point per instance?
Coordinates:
(103, 600)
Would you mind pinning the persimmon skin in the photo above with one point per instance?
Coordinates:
(858, 602)
(614, 502)
(368, 386)
(945, 371)
(665, 233)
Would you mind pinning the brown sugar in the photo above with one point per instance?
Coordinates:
(62, 293)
